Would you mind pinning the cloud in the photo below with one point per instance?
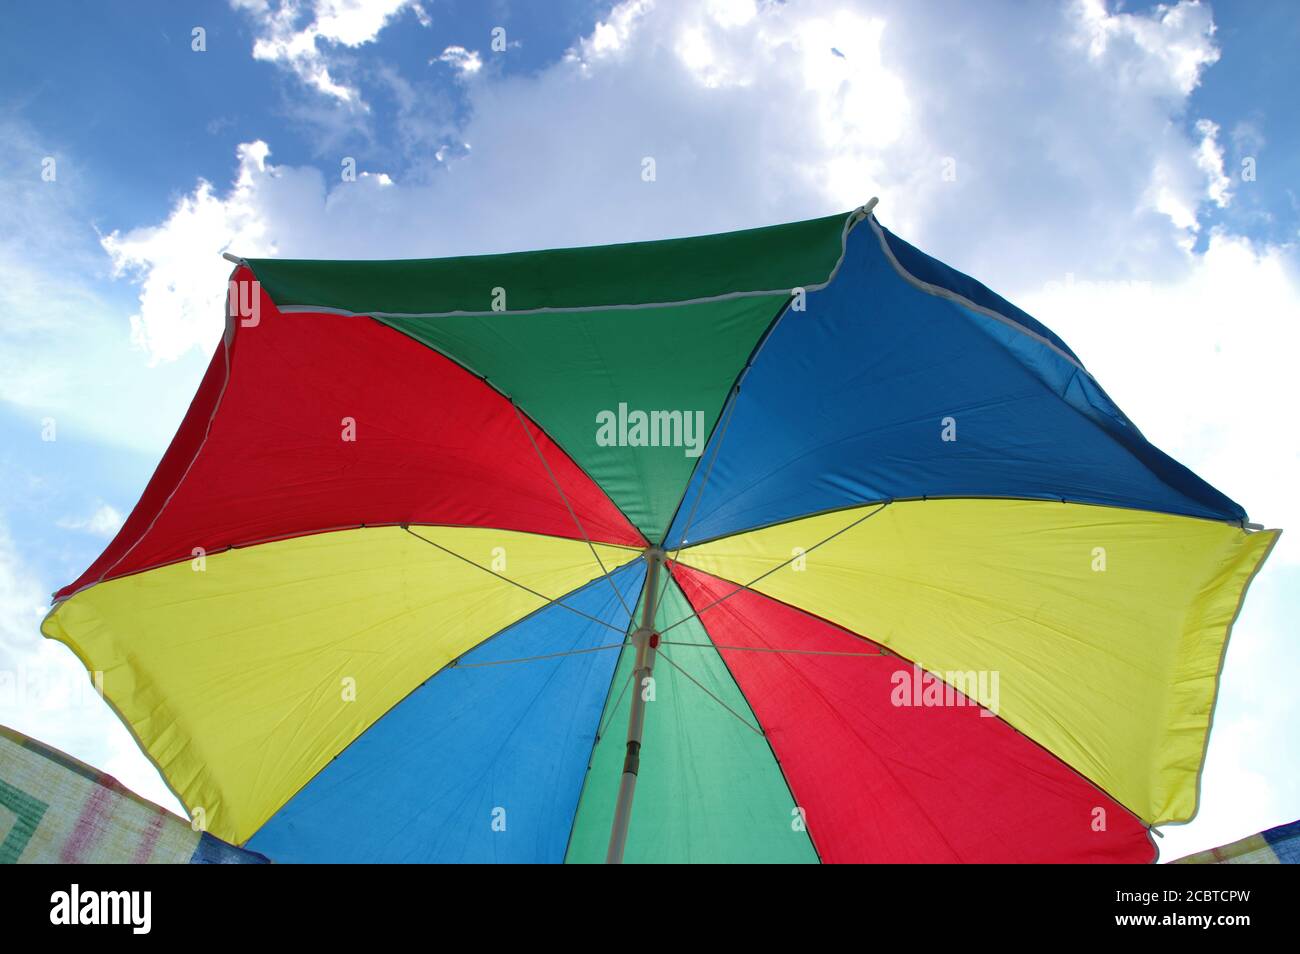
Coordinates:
(1202, 363)
(1209, 159)
(64, 350)
(1164, 52)
(464, 62)
(760, 113)
(22, 600)
(178, 263)
(1235, 792)
(306, 50)
(45, 692)
(104, 522)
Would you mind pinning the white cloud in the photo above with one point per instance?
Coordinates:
(183, 276)
(1178, 189)
(64, 350)
(1202, 363)
(1164, 52)
(179, 265)
(22, 600)
(1209, 159)
(611, 34)
(104, 522)
(1235, 792)
(45, 692)
(334, 24)
(752, 119)
(463, 61)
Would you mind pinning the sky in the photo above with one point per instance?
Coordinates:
(1125, 172)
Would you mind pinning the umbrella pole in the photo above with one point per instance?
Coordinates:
(646, 641)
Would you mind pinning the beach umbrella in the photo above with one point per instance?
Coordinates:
(789, 544)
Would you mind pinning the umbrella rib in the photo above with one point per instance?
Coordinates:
(563, 496)
(542, 596)
(523, 659)
(749, 725)
(699, 495)
(600, 732)
(783, 563)
(772, 649)
(708, 471)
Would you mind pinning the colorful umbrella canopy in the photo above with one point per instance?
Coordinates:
(817, 547)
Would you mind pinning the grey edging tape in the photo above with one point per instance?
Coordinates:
(851, 219)
(952, 296)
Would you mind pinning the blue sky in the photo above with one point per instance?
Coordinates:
(1098, 151)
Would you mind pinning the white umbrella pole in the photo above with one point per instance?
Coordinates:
(646, 641)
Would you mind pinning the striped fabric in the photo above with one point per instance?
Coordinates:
(1277, 846)
(55, 809)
